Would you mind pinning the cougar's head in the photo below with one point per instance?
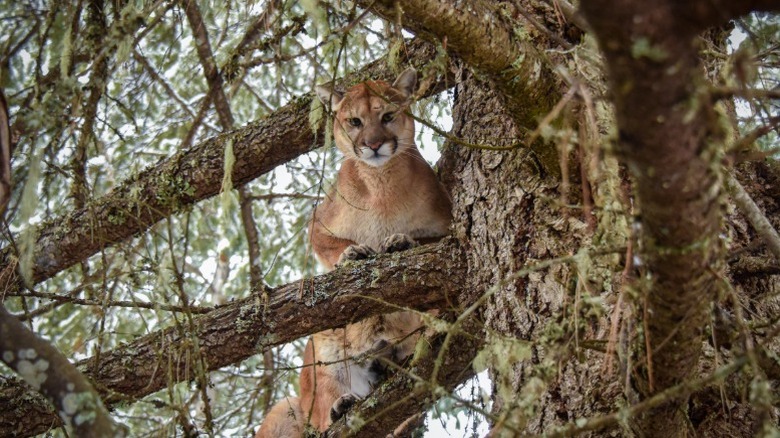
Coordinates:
(370, 123)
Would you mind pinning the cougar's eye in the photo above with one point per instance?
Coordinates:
(354, 121)
(388, 117)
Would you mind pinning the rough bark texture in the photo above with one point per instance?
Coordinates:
(505, 214)
(423, 278)
(26, 412)
(516, 248)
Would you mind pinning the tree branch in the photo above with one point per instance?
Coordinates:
(754, 215)
(47, 371)
(41, 365)
(5, 156)
(424, 278)
(206, 56)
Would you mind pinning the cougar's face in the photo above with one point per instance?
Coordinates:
(371, 124)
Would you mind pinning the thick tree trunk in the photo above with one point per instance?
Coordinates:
(507, 216)
(672, 143)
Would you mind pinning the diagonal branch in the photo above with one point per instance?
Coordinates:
(206, 56)
(45, 369)
(759, 221)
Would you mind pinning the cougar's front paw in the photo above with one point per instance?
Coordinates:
(397, 242)
(355, 252)
(381, 348)
(381, 354)
(342, 405)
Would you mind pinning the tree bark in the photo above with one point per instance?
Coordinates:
(479, 35)
(46, 370)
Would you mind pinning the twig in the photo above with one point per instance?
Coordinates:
(747, 93)
(62, 299)
(141, 59)
(273, 196)
(571, 14)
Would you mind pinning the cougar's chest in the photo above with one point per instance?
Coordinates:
(376, 218)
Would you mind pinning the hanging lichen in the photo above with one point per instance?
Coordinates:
(227, 178)
(65, 54)
(29, 204)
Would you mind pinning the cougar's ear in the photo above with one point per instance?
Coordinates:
(406, 82)
(329, 97)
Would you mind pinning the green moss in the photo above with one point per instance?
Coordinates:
(266, 341)
(316, 295)
(117, 218)
(643, 48)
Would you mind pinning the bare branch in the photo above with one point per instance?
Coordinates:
(206, 56)
(5, 155)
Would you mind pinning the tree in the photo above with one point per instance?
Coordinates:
(597, 267)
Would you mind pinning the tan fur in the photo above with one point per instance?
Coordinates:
(285, 419)
(384, 188)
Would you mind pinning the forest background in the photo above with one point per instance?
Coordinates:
(613, 263)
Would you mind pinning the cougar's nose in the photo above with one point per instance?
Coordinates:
(374, 146)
